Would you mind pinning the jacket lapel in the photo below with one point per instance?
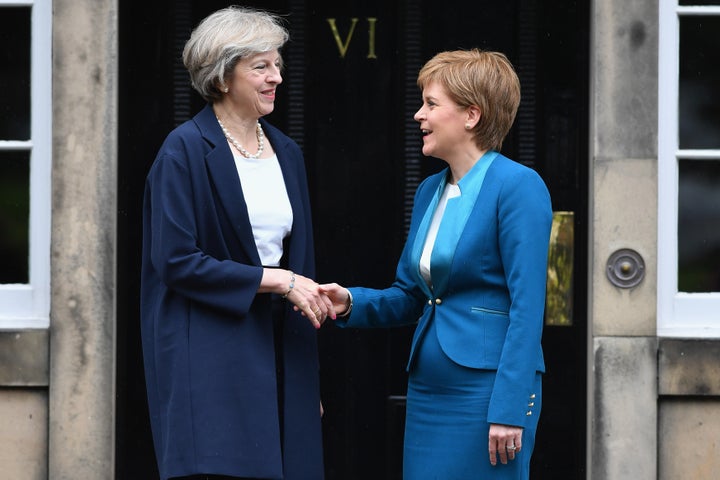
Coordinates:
(421, 235)
(454, 221)
(224, 176)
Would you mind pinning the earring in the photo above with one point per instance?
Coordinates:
(468, 126)
(226, 89)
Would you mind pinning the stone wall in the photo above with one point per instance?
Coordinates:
(82, 323)
(654, 402)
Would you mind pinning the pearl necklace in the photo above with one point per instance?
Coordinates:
(260, 138)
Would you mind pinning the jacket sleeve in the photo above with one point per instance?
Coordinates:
(402, 303)
(524, 222)
(171, 210)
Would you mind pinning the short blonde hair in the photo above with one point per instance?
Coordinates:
(478, 78)
(223, 38)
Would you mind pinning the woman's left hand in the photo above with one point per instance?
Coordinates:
(504, 441)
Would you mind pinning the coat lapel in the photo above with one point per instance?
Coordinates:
(292, 186)
(224, 176)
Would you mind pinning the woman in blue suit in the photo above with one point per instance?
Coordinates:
(231, 369)
(472, 277)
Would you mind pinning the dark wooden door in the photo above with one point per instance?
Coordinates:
(348, 98)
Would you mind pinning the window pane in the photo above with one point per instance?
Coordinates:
(699, 105)
(14, 216)
(15, 76)
(699, 226)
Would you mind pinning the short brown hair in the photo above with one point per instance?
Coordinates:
(481, 78)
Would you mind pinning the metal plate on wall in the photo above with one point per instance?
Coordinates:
(625, 268)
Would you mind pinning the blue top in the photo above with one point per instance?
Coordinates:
(489, 267)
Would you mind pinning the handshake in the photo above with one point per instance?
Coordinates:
(311, 299)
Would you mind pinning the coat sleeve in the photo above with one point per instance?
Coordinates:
(174, 198)
(402, 303)
(524, 222)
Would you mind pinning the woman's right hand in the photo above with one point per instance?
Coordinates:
(339, 296)
(304, 293)
(309, 299)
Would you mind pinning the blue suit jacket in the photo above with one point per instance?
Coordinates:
(489, 267)
(207, 335)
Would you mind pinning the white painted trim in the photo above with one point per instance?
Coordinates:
(698, 10)
(668, 52)
(689, 315)
(698, 154)
(10, 145)
(28, 306)
(17, 3)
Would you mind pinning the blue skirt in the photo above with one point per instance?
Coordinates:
(446, 429)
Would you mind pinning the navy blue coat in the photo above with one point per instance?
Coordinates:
(207, 334)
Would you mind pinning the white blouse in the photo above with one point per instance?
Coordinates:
(451, 191)
(267, 203)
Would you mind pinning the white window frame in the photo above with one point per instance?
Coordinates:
(680, 314)
(26, 306)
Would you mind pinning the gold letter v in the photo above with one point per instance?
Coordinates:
(342, 47)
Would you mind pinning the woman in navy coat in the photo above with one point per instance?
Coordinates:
(472, 277)
(231, 367)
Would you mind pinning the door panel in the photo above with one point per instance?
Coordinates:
(348, 98)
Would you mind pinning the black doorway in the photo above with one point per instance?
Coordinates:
(348, 99)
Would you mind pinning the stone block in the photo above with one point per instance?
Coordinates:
(23, 436)
(689, 446)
